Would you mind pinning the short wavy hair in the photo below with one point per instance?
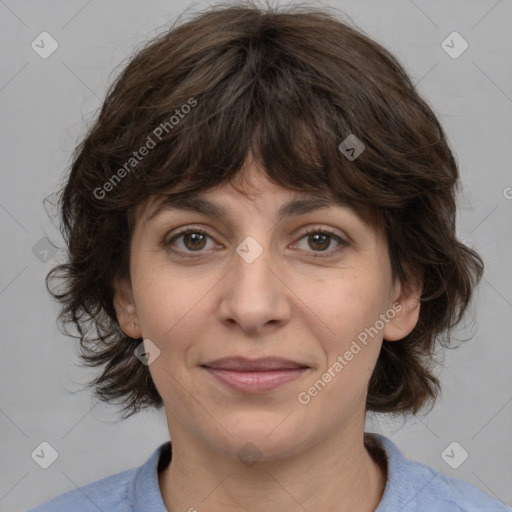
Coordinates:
(285, 86)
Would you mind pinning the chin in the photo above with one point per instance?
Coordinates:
(263, 439)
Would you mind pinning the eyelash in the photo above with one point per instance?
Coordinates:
(309, 231)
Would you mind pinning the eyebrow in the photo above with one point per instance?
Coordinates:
(195, 203)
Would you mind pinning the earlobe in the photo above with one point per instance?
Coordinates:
(125, 308)
(406, 309)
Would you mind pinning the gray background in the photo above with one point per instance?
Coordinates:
(46, 104)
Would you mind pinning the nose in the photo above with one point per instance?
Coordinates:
(255, 296)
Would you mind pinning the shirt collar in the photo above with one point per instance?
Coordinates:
(399, 493)
(145, 492)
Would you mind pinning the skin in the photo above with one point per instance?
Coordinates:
(286, 303)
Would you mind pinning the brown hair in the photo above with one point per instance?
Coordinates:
(286, 86)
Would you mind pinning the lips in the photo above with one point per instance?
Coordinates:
(256, 375)
(241, 364)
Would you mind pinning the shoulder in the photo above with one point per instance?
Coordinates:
(121, 492)
(434, 490)
(110, 493)
(412, 486)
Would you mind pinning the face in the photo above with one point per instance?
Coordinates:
(313, 287)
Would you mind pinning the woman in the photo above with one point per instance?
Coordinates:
(261, 230)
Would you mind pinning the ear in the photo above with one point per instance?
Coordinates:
(406, 304)
(125, 308)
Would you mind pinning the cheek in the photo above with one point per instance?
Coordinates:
(342, 317)
(170, 311)
(343, 308)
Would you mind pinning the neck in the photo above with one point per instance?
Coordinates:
(335, 474)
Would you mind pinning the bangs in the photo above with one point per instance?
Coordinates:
(271, 115)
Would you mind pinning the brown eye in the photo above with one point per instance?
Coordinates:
(319, 241)
(192, 240)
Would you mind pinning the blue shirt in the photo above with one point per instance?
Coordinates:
(411, 486)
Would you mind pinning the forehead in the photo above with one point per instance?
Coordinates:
(297, 204)
(247, 187)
